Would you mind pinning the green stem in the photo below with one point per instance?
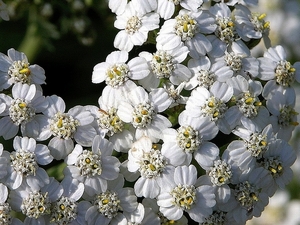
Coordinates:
(32, 41)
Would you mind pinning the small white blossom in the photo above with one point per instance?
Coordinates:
(153, 166)
(15, 68)
(35, 204)
(93, 168)
(187, 27)
(283, 115)
(115, 71)
(212, 104)
(67, 209)
(248, 109)
(142, 111)
(205, 72)
(184, 196)
(65, 127)
(279, 73)
(190, 140)
(251, 25)
(248, 196)
(25, 163)
(107, 205)
(277, 160)
(166, 64)
(134, 23)
(225, 36)
(23, 109)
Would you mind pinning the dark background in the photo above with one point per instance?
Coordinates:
(68, 64)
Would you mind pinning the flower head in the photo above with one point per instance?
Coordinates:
(15, 68)
(94, 168)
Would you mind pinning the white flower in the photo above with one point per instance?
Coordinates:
(190, 139)
(142, 112)
(187, 27)
(248, 196)
(219, 176)
(25, 163)
(108, 122)
(23, 109)
(66, 126)
(134, 23)
(67, 209)
(277, 160)
(241, 63)
(211, 103)
(15, 68)
(107, 205)
(184, 196)
(205, 72)
(248, 109)
(115, 71)
(275, 69)
(225, 36)
(246, 153)
(251, 25)
(94, 167)
(35, 204)
(145, 157)
(283, 114)
(166, 64)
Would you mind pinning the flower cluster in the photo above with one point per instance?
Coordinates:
(192, 129)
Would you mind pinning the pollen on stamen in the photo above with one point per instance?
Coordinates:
(25, 71)
(262, 16)
(22, 105)
(60, 123)
(272, 170)
(230, 24)
(266, 25)
(254, 197)
(249, 100)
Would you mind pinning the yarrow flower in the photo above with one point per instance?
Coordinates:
(34, 203)
(94, 167)
(66, 209)
(107, 121)
(212, 104)
(183, 196)
(115, 71)
(277, 70)
(187, 27)
(108, 204)
(191, 125)
(15, 68)
(153, 166)
(25, 163)
(134, 23)
(23, 110)
(142, 111)
(76, 124)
